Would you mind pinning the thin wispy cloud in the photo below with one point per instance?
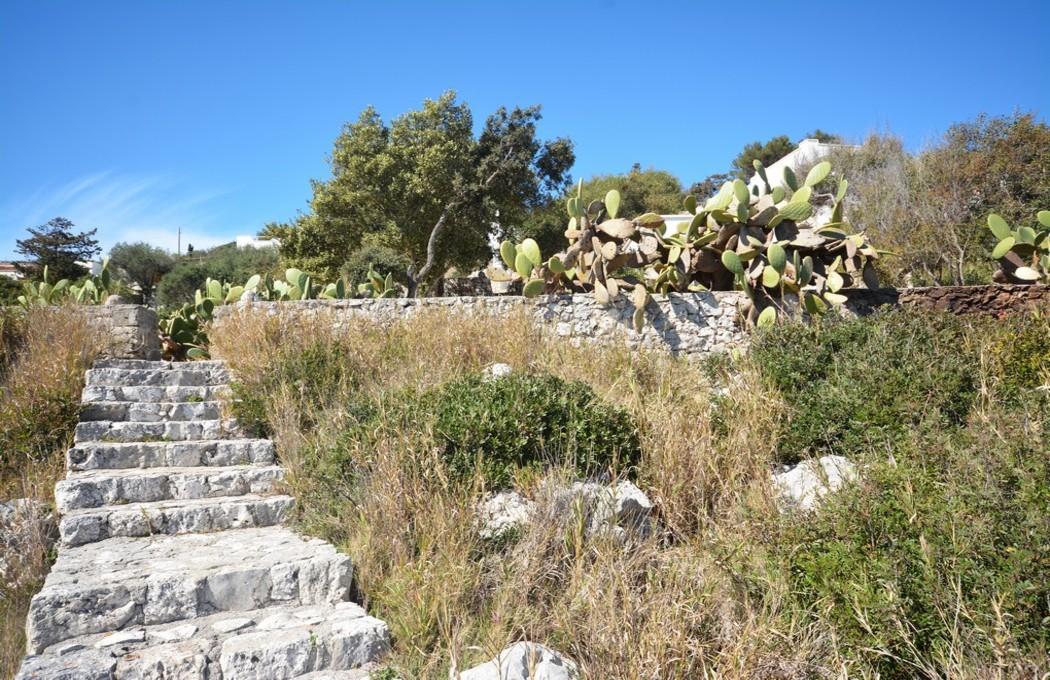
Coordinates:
(122, 208)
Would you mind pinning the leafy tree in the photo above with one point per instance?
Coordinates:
(226, 262)
(825, 137)
(141, 264)
(54, 245)
(427, 187)
(641, 191)
(710, 185)
(768, 152)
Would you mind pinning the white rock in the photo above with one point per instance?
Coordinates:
(503, 513)
(524, 661)
(497, 371)
(123, 637)
(619, 510)
(176, 634)
(230, 625)
(802, 486)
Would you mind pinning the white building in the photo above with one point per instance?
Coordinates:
(807, 153)
(245, 241)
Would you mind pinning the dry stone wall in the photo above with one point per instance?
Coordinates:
(691, 324)
(130, 330)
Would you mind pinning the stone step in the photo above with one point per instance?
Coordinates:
(148, 393)
(174, 517)
(191, 453)
(140, 364)
(311, 642)
(134, 377)
(150, 412)
(128, 431)
(98, 488)
(125, 583)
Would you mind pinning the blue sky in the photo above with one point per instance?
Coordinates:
(143, 116)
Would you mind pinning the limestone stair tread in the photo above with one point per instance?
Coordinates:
(313, 642)
(119, 583)
(100, 488)
(158, 376)
(129, 431)
(173, 517)
(186, 453)
(153, 393)
(154, 411)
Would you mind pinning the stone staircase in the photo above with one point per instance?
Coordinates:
(173, 560)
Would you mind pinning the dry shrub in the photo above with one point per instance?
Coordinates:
(46, 352)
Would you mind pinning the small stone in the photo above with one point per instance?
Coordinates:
(803, 486)
(497, 371)
(230, 625)
(123, 637)
(176, 634)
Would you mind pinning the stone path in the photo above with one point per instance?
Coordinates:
(173, 560)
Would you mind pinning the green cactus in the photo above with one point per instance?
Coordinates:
(1023, 253)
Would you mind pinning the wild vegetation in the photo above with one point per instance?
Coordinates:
(935, 564)
(44, 354)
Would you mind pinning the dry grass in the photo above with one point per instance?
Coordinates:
(704, 598)
(45, 354)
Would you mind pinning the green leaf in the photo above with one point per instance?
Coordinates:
(770, 277)
(768, 317)
(532, 251)
(508, 253)
(690, 204)
(523, 265)
(1003, 247)
(796, 212)
(778, 194)
(556, 265)
(777, 257)
(292, 276)
(1026, 235)
(741, 192)
(612, 203)
(802, 195)
(253, 282)
(841, 193)
(999, 226)
(1044, 217)
(649, 219)
(732, 262)
(818, 173)
(790, 179)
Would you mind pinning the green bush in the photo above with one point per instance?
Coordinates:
(928, 547)
(382, 259)
(496, 426)
(1020, 354)
(222, 263)
(857, 384)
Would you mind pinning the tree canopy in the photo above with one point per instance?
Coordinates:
(55, 245)
(426, 187)
(141, 264)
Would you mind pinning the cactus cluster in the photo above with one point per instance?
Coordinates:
(1024, 252)
(92, 290)
(759, 240)
(375, 287)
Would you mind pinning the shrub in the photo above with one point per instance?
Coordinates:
(851, 385)
(523, 420)
(223, 263)
(381, 259)
(1020, 354)
(947, 544)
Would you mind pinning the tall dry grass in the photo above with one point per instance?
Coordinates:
(45, 353)
(708, 596)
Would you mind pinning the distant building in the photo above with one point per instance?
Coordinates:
(8, 269)
(808, 152)
(252, 242)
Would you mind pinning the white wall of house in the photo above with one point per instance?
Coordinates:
(808, 152)
(252, 242)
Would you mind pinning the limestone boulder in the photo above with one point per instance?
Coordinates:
(524, 661)
(802, 486)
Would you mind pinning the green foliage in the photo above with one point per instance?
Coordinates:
(141, 264)
(92, 290)
(1023, 253)
(378, 286)
(426, 186)
(55, 246)
(766, 153)
(384, 260)
(501, 425)
(955, 523)
(222, 263)
(857, 384)
(10, 289)
(1019, 350)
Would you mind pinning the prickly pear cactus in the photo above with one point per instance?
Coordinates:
(1024, 252)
